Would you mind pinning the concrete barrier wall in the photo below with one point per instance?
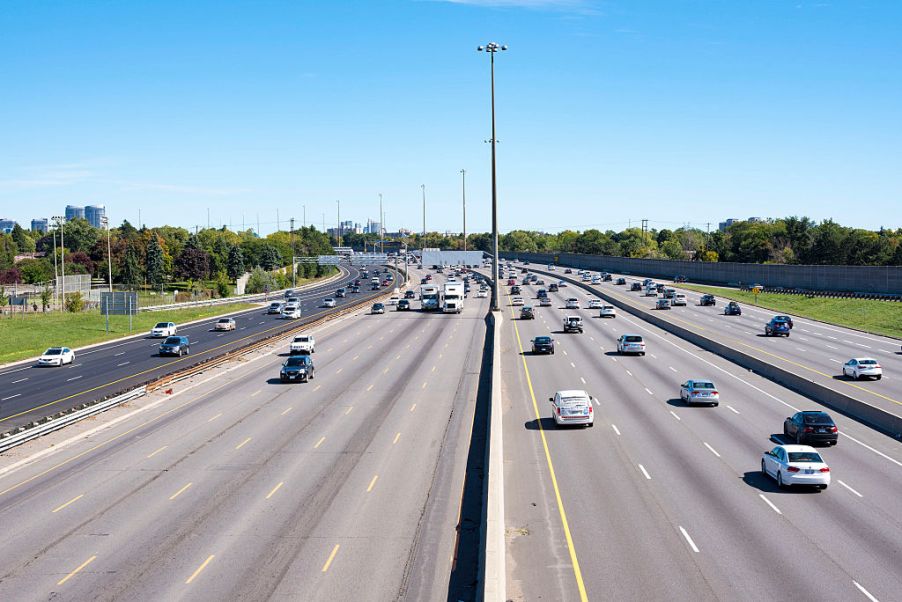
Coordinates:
(877, 418)
(856, 279)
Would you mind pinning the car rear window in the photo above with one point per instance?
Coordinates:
(703, 385)
(225, 320)
(302, 339)
(817, 419)
(867, 362)
(296, 361)
(632, 339)
(543, 340)
(172, 341)
(804, 457)
(574, 401)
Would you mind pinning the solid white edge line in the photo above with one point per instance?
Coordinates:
(689, 539)
(865, 592)
(849, 488)
(769, 503)
(645, 472)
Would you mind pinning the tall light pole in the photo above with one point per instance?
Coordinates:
(305, 215)
(338, 204)
(423, 186)
(463, 192)
(381, 229)
(491, 48)
(109, 253)
(294, 278)
(56, 274)
(60, 220)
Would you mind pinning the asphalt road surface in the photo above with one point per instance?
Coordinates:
(31, 392)
(244, 488)
(660, 501)
(814, 349)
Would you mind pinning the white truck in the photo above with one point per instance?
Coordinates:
(430, 297)
(302, 344)
(454, 298)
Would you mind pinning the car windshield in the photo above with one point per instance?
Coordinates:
(542, 340)
(301, 339)
(162, 325)
(53, 351)
(172, 341)
(632, 339)
(378, 306)
(703, 385)
(804, 457)
(225, 320)
(296, 361)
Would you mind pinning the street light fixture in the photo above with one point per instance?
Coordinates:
(491, 48)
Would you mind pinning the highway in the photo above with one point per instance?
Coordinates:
(30, 392)
(814, 349)
(239, 487)
(662, 501)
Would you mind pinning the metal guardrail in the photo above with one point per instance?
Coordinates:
(49, 424)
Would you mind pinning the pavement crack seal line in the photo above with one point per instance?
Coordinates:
(577, 573)
(872, 416)
(211, 362)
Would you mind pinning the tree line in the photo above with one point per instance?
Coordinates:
(155, 256)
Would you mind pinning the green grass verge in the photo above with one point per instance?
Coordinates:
(29, 335)
(878, 317)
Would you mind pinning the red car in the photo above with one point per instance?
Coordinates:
(511, 282)
(386, 282)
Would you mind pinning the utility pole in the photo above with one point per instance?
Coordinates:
(305, 215)
(56, 275)
(491, 48)
(109, 252)
(463, 192)
(258, 225)
(381, 230)
(338, 210)
(278, 221)
(294, 278)
(645, 231)
(423, 186)
(208, 218)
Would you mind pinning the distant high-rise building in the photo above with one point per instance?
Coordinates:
(72, 212)
(727, 223)
(95, 214)
(372, 227)
(40, 225)
(7, 225)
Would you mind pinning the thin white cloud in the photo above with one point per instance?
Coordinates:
(179, 188)
(48, 176)
(580, 6)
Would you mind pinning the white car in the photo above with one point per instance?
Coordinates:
(290, 312)
(163, 330)
(517, 301)
(631, 343)
(545, 302)
(328, 302)
(595, 303)
(796, 465)
(275, 307)
(862, 367)
(482, 294)
(572, 407)
(57, 356)
(678, 299)
(225, 324)
(302, 343)
(607, 311)
(572, 303)
(699, 391)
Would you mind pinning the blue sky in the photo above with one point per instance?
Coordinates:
(672, 110)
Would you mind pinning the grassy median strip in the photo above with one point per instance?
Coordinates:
(29, 335)
(878, 317)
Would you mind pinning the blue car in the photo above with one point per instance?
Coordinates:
(777, 327)
(175, 346)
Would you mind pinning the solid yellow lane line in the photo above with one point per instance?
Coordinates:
(372, 483)
(288, 409)
(413, 407)
(75, 499)
(577, 573)
(243, 443)
(199, 569)
(398, 436)
(76, 571)
(370, 388)
(331, 558)
(320, 442)
(348, 411)
(215, 417)
(180, 491)
(275, 489)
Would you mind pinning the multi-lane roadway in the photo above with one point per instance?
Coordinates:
(239, 487)
(663, 501)
(29, 392)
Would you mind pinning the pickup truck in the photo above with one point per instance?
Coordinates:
(573, 324)
(302, 344)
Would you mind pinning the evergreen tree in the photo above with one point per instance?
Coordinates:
(131, 269)
(235, 262)
(154, 263)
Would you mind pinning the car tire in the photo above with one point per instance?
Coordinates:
(780, 482)
(879, 376)
(763, 469)
(591, 424)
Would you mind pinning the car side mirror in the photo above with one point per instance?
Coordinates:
(551, 399)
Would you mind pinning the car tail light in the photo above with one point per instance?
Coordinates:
(590, 408)
(792, 469)
(808, 429)
(825, 469)
(877, 366)
(714, 393)
(833, 429)
(558, 410)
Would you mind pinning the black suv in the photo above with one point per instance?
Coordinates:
(515, 290)
(553, 288)
(621, 281)
(175, 346)
(297, 368)
(403, 305)
(635, 286)
(527, 313)
(707, 300)
(811, 427)
(732, 309)
(543, 345)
